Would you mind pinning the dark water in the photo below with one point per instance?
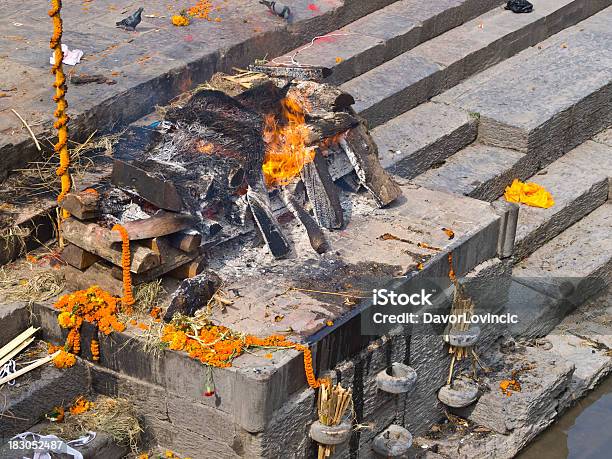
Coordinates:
(583, 432)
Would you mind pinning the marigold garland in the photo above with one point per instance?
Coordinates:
(128, 297)
(64, 359)
(95, 350)
(61, 123)
(217, 346)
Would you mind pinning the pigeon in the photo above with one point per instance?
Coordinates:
(132, 21)
(277, 8)
(519, 6)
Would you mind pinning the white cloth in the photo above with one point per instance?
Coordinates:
(70, 57)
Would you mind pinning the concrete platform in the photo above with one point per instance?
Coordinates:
(440, 63)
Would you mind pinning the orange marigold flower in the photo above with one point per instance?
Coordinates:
(180, 20)
(80, 405)
(66, 320)
(64, 359)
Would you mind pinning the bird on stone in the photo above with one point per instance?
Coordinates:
(131, 21)
(277, 8)
(519, 6)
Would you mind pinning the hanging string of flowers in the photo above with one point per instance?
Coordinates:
(61, 123)
(128, 297)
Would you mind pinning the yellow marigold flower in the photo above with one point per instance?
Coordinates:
(66, 320)
(180, 21)
(169, 454)
(530, 194)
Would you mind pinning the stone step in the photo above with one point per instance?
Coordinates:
(548, 99)
(562, 274)
(440, 63)
(483, 172)
(384, 34)
(36, 393)
(415, 141)
(579, 182)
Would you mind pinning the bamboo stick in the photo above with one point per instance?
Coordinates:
(7, 348)
(16, 351)
(30, 367)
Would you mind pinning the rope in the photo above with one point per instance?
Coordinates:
(61, 123)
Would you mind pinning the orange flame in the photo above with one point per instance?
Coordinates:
(286, 151)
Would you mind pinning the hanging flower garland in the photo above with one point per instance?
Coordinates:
(128, 297)
(61, 123)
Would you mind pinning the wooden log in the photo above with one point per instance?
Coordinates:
(171, 258)
(185, 241)
(190, 269)
(322, 193)
(151, 187)
(320, 97)
(363, 154)
(98, 240)
(294, 72)
(328, 125)
(77, 257)
(83, 205)
(160, 224)
(315, 235)
(193, 294)
(266, 222)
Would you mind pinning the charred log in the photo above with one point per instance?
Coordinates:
(267, 223)
(320, 98)
(160, 224)
(322, 193)
(327, 125)
(315, 235)
(193, 294)
(293, 72)
(363, 154)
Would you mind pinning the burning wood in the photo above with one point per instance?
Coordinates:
(323, 194)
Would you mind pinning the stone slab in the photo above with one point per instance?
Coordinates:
(442, 62)
(423, 137)
(37, 392)
(544, 377)
(565, 88)
(588, 168)
(479, 171)
(13, 321)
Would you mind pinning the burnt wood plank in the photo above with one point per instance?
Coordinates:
(296, 71)
(320, 97)
(315, 235)
(322, 193)
(160, 224)
(185, 241)
(97, 240)
(266, 222)
(328, 125)
(363, 154)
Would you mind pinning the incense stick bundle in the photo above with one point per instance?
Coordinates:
(332, 403)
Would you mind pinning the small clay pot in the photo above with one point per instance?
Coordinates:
(330, 435)
(461, 393)
(398, 379)
(467, 338)
(394, 441)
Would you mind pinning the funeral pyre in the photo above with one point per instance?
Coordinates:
(231, 160)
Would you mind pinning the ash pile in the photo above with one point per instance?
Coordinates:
(235, 158)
